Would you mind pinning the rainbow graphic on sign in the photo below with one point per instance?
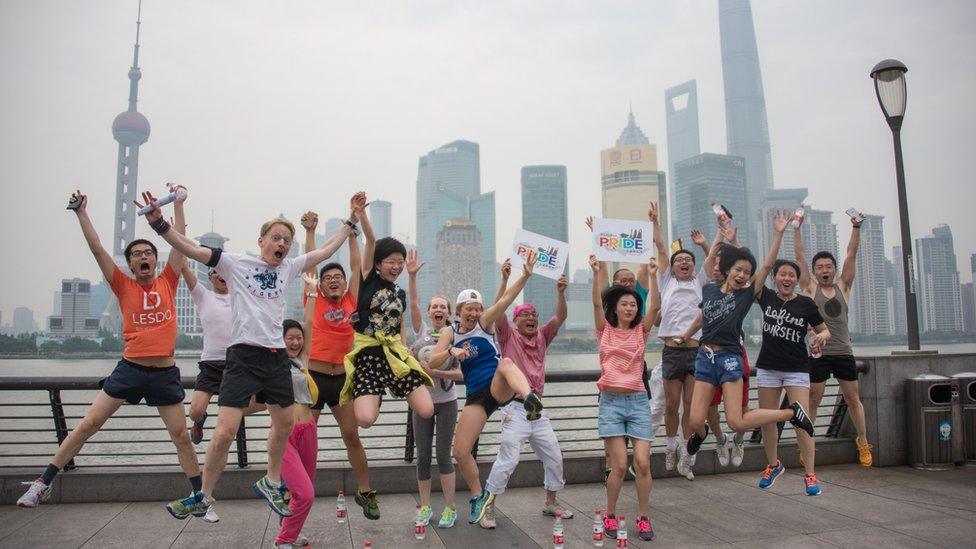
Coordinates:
(621, 240)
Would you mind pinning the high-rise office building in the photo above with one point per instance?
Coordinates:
(101, 296)
(704, 178)
(544, 212)
(938, 282)
(869, 297)
(458, 250)
(23, 321)
(74, 320)
(776, 200)
(381, 217)
(968, 308)
(681, 111)
(819, 233)
(449, 187)
(899, 315)
(630, 178)
(579, 302)
(746, 124)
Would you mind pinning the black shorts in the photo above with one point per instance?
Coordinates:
(374, 376)
(678, 362)
(330, 385)
(265, 373)
(484, 399)
(132, 382)
(841, 366)
(210, 376)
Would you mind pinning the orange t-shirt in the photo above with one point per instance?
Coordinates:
(148, 313)
(332, 331)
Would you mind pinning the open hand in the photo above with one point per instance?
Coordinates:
(698, 238)
(311, 281)
(652, 213)
(529, 264)
(780, 219)
(413, 265)
(589, 223)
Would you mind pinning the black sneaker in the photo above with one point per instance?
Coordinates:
(644, 529)
(695, 441)
(533, 406)
(800, 419)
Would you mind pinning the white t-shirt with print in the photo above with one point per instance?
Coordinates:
(257, 297)
(216, 317)
(679, 302)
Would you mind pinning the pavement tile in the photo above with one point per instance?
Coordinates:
(872, 538)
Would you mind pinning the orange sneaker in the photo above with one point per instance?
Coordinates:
(811, 484)
(864, 452)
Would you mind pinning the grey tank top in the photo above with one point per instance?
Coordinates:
(299, 383)
(834, 313)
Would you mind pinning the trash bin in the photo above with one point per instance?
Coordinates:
(967, 398)
(930, 425)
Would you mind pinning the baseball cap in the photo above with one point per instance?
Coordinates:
(468, 296)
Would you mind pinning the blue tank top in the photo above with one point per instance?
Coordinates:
(480, 366)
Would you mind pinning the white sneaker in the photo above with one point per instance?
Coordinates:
(724, 451)
(670, 456)
(488, 521)
(37, 493)
(684, 465)
(211, 515)
(300, 541)
(738, 451)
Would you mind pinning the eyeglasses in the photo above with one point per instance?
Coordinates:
(330, 278)
(276, 238)
(529, 314)
(684, 259)
(393, 262)
(142, 253)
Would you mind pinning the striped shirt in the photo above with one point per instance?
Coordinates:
(622, 358)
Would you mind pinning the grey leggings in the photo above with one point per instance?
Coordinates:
(445, 417)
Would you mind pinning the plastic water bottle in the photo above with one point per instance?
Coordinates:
(815, 350)
(797, 218)
(722, 214)
(163, 200)
(621, 532)
(557, 532)
(368, 545)
(419, 528)
(341, 512)
(598, 528)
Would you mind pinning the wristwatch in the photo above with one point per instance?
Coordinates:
(352, 227)
(311, 294)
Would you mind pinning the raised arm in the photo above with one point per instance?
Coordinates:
(598, 319)
(850, 262)
(662, 252)
(506, 273)
(699, 239)
(311, 290)
(413, 296)
(310, 220)
(333, 243)
(369, 250)
(653, 297)
(180, 243)
(805, 282)
(712, 256)
(188, 275)
(102, 257)
(562, 310)
(355, 264)
(498, 308)
(780, 220)
(175, 257)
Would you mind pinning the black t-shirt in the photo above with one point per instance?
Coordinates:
(784, 330)
(380, 306)
(722, 314)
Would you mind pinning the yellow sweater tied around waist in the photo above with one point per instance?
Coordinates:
(397, 355)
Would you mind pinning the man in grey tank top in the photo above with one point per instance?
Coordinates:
(832, 294)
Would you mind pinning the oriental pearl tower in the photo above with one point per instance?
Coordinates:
(131, 129)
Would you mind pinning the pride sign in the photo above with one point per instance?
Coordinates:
(551, 254)
(622, 240)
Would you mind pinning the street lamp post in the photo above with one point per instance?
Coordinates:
(889, 85)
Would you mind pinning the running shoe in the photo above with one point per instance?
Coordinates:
(811, 484)
(695, 441)
(194, 503)
(300, 541)
(211, 515)
(864, 452)
(738, 452)
(800, 419)
(670, 458)
(36, 493)
(533, 406)
(424, 515)
(479, 505)
(488, 521)
(684, 466)
(724, 451)
(551, 509)
(610, 526)
(448, 518)
(284, 545)
(369, 503)
(271, 493)
(644, 529)
(770, 474)
(196, 431)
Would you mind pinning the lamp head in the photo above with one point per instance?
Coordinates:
(891, 89)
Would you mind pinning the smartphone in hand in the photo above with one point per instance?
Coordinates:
(75, 202)
(857, 216)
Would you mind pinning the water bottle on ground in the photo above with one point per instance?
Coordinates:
(557, 532)
(621, 532)
(368, 545)
(797, 218)
(341, 512)
(598, 528)
(419, 528)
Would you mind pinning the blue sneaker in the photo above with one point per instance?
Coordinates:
(479, 505)
(271, 493)
(770, 475)
(811, 484)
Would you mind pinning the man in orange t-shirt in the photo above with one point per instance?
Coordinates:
(147, 370)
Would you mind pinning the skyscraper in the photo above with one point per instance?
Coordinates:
(819, 232)
(746, 125)
(772, 202)
(23, 321)
(897, 282)
(544, 211)
(131, 129)
(704, 178)
(968, 308)
(458, 249)
(869, 297)
(938, 282)
(187, 316)
(681, 110)
(381, 217)
(74, 320)
(630, 178)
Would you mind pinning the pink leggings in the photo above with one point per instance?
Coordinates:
(298, 472)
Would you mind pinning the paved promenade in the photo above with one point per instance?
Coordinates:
(875, 508)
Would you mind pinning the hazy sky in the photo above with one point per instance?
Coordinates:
(267, 107)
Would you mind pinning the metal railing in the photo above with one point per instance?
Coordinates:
(31, 426)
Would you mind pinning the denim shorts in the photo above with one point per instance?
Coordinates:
(625, 414)
(776, 379)
(716, 368)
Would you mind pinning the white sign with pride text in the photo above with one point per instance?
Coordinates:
(551, 259)
(622, 240)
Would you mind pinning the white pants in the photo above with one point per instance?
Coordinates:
(657, 397)
(516, 429)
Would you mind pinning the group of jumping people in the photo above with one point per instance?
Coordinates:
(352, 348)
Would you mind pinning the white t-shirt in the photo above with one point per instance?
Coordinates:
(679, 302)
(257, 297)
(215, 315)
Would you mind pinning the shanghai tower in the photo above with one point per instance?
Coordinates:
(747, 129)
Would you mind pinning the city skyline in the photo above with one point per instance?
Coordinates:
(820, 104)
